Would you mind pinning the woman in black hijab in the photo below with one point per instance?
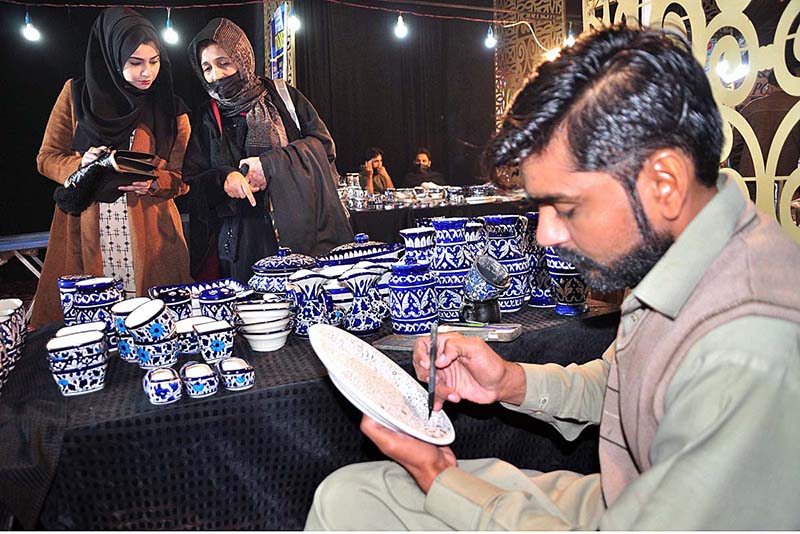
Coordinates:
(124, 100)
(286, 195)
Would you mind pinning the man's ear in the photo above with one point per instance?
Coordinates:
(665, 180)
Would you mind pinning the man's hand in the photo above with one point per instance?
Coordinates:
(368, 170)
(237, 186)
(422, 460)
(255, 176)
(467, 368)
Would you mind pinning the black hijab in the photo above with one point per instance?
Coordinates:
(106, 106)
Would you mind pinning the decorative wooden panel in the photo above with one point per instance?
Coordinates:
(289, 66)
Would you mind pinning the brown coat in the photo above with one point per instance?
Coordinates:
(159, 249)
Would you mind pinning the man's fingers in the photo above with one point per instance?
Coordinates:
(249, 194)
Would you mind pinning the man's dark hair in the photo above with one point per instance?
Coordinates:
(620, 94)
(422, 150)
(372, 152)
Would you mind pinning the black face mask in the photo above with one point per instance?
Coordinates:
(419, 167)
(227, 87)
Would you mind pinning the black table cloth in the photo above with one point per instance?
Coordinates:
(385, 225)
(252, 459)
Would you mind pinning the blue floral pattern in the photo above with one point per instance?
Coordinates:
(156, 330)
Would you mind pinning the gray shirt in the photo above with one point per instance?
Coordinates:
(725, 454)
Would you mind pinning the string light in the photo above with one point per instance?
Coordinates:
(169, 34)
(552, 54)
(731, 75)
(29, 31)
(490, 41)
(400, 29)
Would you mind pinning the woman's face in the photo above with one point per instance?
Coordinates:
(216, 63)
(141, 69)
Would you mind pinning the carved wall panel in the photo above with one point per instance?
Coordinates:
(722, 31)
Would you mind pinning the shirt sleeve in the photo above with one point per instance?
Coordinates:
(56, 159)
(568, 398)
(725, 453)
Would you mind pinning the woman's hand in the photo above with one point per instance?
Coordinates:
(92, 154)
(255, 176)
(140, 188)
(237, 186)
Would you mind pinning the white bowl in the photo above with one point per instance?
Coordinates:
(262, 306)
(250, 317)
(266, 326)
(267, 342)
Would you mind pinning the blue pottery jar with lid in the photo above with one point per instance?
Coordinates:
(271, 273)
(413, 301)
(217, 302)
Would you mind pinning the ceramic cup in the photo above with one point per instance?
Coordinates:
(215, 340)
(119, 312)
(162, 385)
(66, 289)
(237, 374)
(77, 351)
(199, 379)
(187, 337)
(569, 288)
(163, 353)
(150, 322)
(487, 279)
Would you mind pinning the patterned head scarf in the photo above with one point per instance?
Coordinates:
(265, 127)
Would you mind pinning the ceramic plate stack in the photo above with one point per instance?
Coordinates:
(377, 386)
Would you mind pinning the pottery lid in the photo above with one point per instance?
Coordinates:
(68, 281)
(284, 262)
(361, 249)
(217, 293)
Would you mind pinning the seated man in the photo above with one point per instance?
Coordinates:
(618, 142)
(422, 171)
(373, 175)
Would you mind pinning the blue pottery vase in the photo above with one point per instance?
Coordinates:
(505, 233)
(419, 243)
(569, 288)
(66, 289)
(311, 304)
(539, 280)
(413, 300)
(364, 317)
(449, 265)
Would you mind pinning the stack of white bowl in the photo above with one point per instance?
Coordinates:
(264, 324)
(13, 331)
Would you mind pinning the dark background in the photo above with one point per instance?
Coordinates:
(434, 88)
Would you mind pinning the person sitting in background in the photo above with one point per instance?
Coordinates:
(287, 197)
(422, 171)
(124, 100)
(373, 175)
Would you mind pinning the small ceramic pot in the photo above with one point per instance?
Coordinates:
(272, 272)
(218, 303)
(187, 338)
(237, 374)
(66, 289)
(95, 326)
(215, 340)
(162, 385)
(125, 343)
(199, 379)
(81, 381)
(74, 352)
(150, 323)
(178, 300)
(162, 353)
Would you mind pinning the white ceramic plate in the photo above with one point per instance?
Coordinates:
(480, 200)
(377, 386)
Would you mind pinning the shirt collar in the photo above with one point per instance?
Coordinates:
(670, 282)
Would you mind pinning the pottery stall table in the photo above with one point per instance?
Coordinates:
(248, 460)
(385, 225)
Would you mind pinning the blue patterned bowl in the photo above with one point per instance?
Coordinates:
(237, 374)
(215, 340)
(151, 322)
(81, 381)
(74, 352)
(162, 385)
(187, 337)
(162, 353)
(199, 379)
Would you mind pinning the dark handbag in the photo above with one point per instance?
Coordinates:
(99, 181)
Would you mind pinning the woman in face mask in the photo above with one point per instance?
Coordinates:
(260, 162)
(124, 100)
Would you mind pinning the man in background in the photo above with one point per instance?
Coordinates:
(422, 171)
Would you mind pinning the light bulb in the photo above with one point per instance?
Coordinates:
(490, 41)
(730, 75)
(294, 23)
(570, 38)
(400, 29)
(169, 34)
(29, 31)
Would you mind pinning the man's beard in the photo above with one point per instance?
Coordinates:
(626, 271)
